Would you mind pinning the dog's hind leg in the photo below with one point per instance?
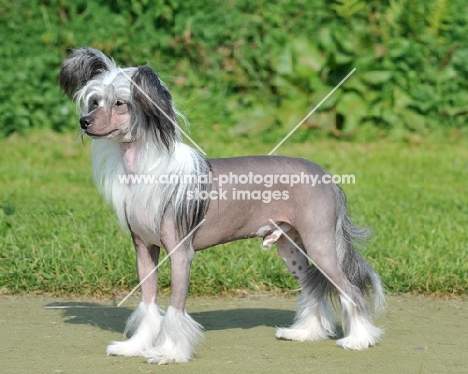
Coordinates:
(349, 275)
(179, 332)
(315, 316)
(144, 323)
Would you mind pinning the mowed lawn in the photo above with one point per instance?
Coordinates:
(57, 236)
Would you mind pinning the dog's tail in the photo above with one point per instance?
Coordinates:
(355, 267)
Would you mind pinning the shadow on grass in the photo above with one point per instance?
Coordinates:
(106, 317)
(243, 318)
(112, 318)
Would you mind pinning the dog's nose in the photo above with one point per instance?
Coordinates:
(85, 122)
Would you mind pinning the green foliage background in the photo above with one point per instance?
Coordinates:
(264, 63)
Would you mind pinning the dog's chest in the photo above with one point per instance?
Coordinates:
(142, 207)
(144, 224)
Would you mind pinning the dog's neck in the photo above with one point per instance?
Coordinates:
(129, 152)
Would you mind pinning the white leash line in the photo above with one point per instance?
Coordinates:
(311, 112)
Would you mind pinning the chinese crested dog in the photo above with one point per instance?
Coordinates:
(131, 116)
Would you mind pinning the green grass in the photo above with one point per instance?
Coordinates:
(57, 236)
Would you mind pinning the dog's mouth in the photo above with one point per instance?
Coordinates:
(97, 136)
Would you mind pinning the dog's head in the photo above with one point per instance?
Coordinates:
(118, 104)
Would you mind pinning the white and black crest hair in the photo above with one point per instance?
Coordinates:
(80, 67)
(158, 115)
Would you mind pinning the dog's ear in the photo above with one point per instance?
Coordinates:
(82, 65)
(155, 101)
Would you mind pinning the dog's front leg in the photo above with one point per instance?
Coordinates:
(145, 322)
(179, 332)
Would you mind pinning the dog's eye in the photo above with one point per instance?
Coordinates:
(119, 102)
(94, 104)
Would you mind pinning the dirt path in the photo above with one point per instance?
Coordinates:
(422, 336)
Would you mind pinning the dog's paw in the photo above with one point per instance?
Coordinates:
(162, 360)
(290, 334)
(364, 337)
(360, 342)
(159, 357)
(127, 348)
(303, 334)
(353, 343)
(295, 334)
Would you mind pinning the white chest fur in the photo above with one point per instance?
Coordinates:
(118, 174)
(128, 175)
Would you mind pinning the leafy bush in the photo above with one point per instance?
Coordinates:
(269, 62)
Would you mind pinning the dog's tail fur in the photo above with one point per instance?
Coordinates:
(355, 267)
(365, 281)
